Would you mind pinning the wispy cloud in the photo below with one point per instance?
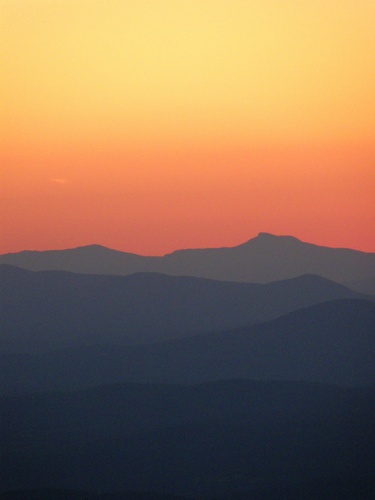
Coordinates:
(59, 181)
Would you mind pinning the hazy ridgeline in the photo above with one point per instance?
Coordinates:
(262, 259)
(207, 385)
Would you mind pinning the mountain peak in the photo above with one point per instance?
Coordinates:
(264, 237)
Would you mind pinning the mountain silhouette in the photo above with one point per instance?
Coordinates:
(333, 342)
(244, 372)
(263, 259)
(49, 310)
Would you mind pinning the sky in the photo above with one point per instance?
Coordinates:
(153, 125)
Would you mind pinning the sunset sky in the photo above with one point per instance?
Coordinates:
(153, 125)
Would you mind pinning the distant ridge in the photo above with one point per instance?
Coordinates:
(62, 309)
(262, 259)
(332, 342)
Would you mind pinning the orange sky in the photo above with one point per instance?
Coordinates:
(152, 125)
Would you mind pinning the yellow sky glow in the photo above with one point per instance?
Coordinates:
(287, 70)
(112, 93)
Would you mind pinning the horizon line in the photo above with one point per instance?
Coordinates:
(259, 235)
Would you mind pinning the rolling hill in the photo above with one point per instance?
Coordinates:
(333, 342)
(227, 439)
(49, 310)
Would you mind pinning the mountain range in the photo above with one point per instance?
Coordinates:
(48, 310)
(226, 373)
(262, 259)
(333, 342)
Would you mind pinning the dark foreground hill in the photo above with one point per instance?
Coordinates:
(42, 311)
(69, 494)
(332, 342)
(228, 439)
(262, 259)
